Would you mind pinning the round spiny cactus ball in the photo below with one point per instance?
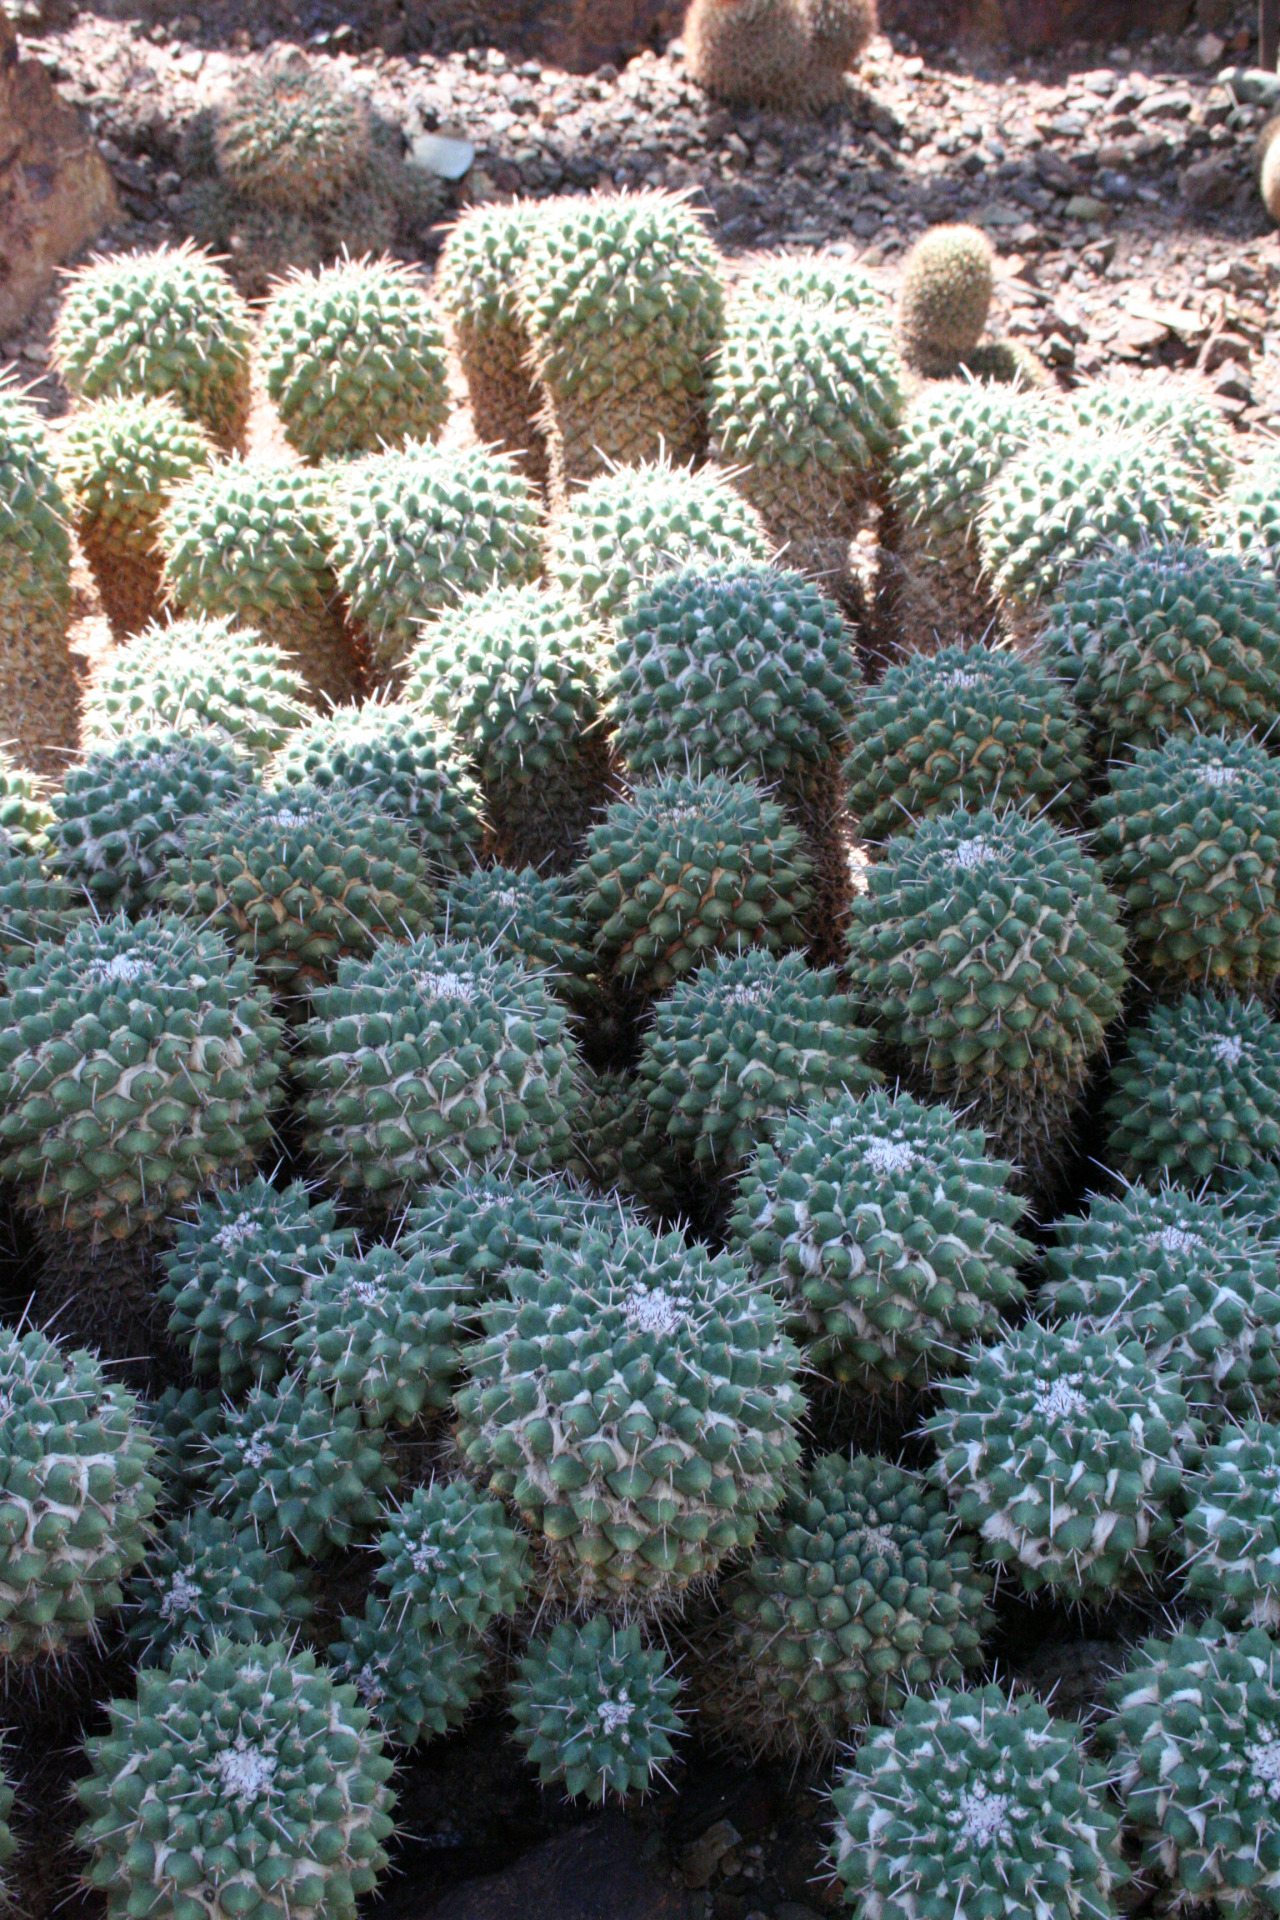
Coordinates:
(1181, 408)
(585, 1406)
(476, 283)
(686, 868)
(79, 1494)
(39, 695)
(739, 671)
(994, 956)
(1189, 837)
(451, 1562)
(1195, 1754)
(954, 438)
(1195, 1095)
(284, 1766)
(1168, 639)
(117, 461)
(413, 1685)
(1231, 1533)
(625, 1150)
(353, 358)
(181, 1421)
(202, 1579)
(299, 879)
(1248, 520)
(804, 403)
(394, 761)
(203, 677)
(1066, 1453)
(138, 1065)
(815, 280)
(976, 1807)
(35, 905)
(286, 136)
(432, 1058)
(888, 1229)
(125, 810)
(163, 323)
(526, 917)
(775, 53)
(964, 727)
(515, 675)
(299, 1473)
(1068, 496)
(414, 529)
(861, 1592)
(1193, 1286)
(621, 301)
(947, 281)
(379, 1331)
(250, 543)
(235, 1274)
(25, 812)
(623, 528)
(739, 1045)
(595, 1709)
(473, 1227)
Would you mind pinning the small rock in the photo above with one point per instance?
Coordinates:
(1252, 85)
(448, 156)
(1209, 50)
(1059, 352)
(1116, 186)
(1224, 347)
(702, 1856)
(1055, 171)
(1207, 183)
(1232, 385)
(1083, 206)
(596, 1872)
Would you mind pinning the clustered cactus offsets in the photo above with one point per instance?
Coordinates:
(641, 1043)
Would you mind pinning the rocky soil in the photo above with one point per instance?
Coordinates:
(1117, 185)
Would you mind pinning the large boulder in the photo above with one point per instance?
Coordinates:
(55, 191)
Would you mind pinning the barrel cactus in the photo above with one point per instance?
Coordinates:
(412, 1685)
(948, 278)
(379, 1331)
(535, 920)
(1230, 1532)
(202, 1579)
(476, 283)
(39, 692)
(595, 1709)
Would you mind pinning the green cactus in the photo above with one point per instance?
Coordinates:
(25, 813)
(202, 1579)
(412, 1685)
(948, 278)
(379, 1331)
(890, 1232)
(473, 1227)
(450, 1562)
(285, 136)
(595, 1709)
(39, 696)
(1230, 1531)
(476, 284)
(536, 921)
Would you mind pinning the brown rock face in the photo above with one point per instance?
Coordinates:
(1028, 24)
(578, 35)
(55, 192)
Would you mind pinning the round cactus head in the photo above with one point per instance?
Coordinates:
(285, 136)
(202, 1579)
(595, 1709)
(1231, 1532)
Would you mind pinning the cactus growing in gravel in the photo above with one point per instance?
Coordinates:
(138, 1065)
(296, 1471)
(476, 284)
(790, 55)
(739, 1045)
(620, 298)
(413, 530)
(1196, 1743)
(976, 1807)
(117, 461)
(201, 1579)
(354, 359)
(413, 1685)
(953, 439)
(1189, 837)
(585, 1407)
(522, 916)
(623, 528)
(235, 1273)
(1066, 1453)
(515, 674)
(994, 956)
(1196, 1093)
(595, 1709)
(163, 323)
(1181, 410)
(391, 760)
(947, 281)
(1191, 1285)
(815, 280)
(1231, 1533)
(888, 1229)
(967, 727)
(79, 1494)
(202, 677)
(1069, 496)
(251, 543)
(738, 670)
(1247, 520)
(433, 1057)
(804, 403)
(39, 698)
(686, 868)
(299, 879)
(286, 136)
(125, 809)
(283, 1763)
(450, 1562)
(379, 1331)
(1168, 639)
(860, 1593)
